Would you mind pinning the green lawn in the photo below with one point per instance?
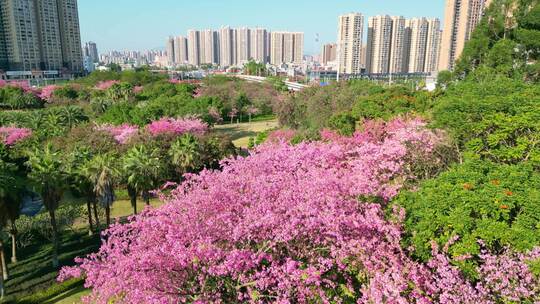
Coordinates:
(33, 279)
(240, 133)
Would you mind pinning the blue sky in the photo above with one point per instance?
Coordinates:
(145, 24)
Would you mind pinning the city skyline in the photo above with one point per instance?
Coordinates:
(310, 17)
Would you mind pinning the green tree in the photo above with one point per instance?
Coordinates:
(255, 68)
(102, 171)
(11, 191)
(48, 176)
(479, 200)
(185, 154)
(241, 103)
(81, 185)
(444, 78)
(344, 123)
(143, 169)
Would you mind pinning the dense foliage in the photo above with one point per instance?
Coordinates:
(499, 204)
(283, 225)
(331, 106)
(494, 118)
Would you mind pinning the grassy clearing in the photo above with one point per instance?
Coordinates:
(33, 279)
(241, 132)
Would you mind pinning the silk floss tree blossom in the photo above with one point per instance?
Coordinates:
(289, 224)
(104, 85)
(47, 92)
(122, 133)
(12, 135)
(167, 125)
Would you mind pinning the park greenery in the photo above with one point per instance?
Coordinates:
(368, 192)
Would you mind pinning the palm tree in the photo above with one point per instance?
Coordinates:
(142, 168)
(102, 172)
(7, 185)
(185, 153)
(82, 185)
(10, 202)
(126, 91)
(72, 115)
(49, 179)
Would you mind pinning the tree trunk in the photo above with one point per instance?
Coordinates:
(96, 217)
(108, 214)
(55, 239)
(13, 233)
(146, 197)
(1, 283)
(91, 226)
(3, 263)
(133, 198)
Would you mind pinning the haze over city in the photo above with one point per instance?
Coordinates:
(125, 25)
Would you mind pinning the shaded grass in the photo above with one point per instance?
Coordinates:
(33, 279)
(35, 273)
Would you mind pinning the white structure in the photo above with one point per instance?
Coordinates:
(349, 43)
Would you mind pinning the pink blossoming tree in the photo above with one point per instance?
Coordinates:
(122, 134)
(104, 85)
(181, 126)
(47, 92)
(12, 135)
(292, 224)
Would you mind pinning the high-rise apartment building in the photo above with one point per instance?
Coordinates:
(418, 44)
(243, 45)
(286, 47)
(328, 53)
(208, 48)
(171, 56)
(70, 34)
(194, 47)
(90, 50)
(40, 35)
(379, 44)
(398, 52)
(433, 45)
(180, 50)
(276, 50)
(349, 43)
(460, 19)
(258, 45)
(298, 48)
(231, 47)
(227, 47)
